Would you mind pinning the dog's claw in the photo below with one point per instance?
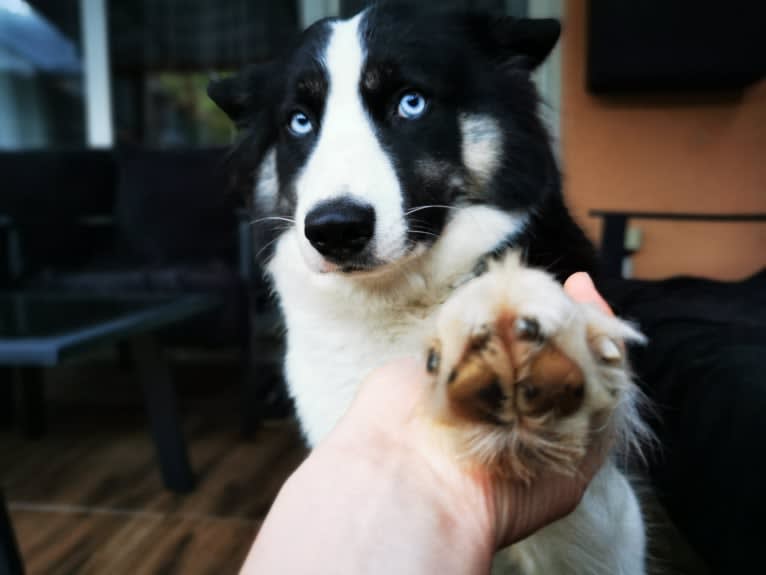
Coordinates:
(432, 363)
(608, 351)
(528, 328)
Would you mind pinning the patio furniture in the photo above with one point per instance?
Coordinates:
(140, 221)
(702, 369)
(612, 246)
(39, 330)
(10, 558)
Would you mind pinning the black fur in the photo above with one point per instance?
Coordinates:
(463, 64)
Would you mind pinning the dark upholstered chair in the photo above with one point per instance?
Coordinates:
(130, 221)
(703, 370)
(135, 221)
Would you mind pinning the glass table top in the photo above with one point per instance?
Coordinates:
(41, 328)
(23, 316)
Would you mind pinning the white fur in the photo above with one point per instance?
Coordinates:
(348, 159)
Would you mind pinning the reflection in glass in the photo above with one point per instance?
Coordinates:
(40, 76)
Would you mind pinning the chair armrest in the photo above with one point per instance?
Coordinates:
(616, 222)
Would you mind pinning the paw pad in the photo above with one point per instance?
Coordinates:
(555, 384)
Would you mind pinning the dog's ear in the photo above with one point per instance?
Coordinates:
(522, 42)
(531, 39)
(241, 96)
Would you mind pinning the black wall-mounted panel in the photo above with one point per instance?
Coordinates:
(667, 46)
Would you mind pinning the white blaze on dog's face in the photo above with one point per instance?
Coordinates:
(373, 134)
(348, 163)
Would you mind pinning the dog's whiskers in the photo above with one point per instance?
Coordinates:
(423, 232)
(419, 208)
(265, 247)
(290, 221)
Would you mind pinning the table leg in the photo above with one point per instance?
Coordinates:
(10, 558)
(162, 409)
(7, 397)
(252, 400)
(125, 357)
(32, 395)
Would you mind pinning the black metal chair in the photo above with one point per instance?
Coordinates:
(137, 221)
(612, 248)
(10, 558)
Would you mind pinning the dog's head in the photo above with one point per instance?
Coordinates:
(371, 132)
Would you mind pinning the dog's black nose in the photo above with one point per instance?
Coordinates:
(340, 229)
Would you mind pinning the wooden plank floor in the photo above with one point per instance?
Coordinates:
(88, 497)
(60, 540)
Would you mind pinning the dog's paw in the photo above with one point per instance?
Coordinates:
(523, 376)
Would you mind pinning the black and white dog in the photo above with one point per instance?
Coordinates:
(414, 190)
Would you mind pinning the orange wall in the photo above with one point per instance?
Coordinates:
(679, 153)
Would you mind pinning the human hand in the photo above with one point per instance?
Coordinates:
(381, 495)
(386, 420)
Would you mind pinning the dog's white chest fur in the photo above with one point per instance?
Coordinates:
(341, 328)
(333, 347)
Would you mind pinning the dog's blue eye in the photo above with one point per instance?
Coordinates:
(300, 125)
(412, 105)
